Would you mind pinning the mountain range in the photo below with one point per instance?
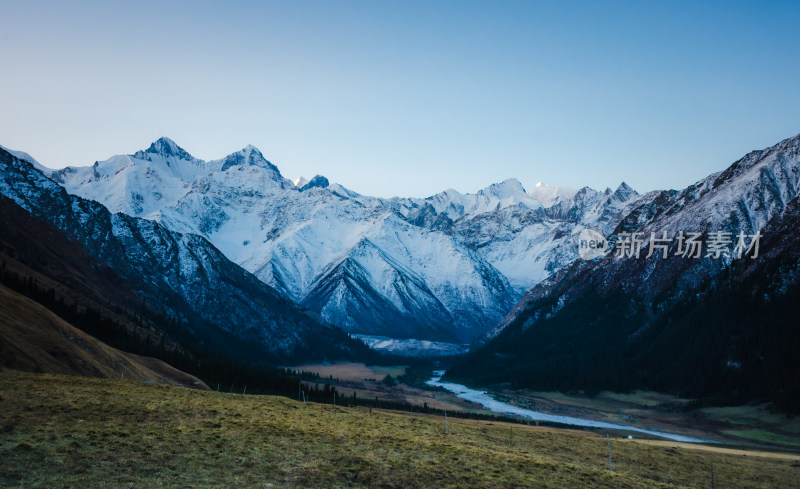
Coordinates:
(720, 322)
(238, 258)
(444, 268)
(182, 277)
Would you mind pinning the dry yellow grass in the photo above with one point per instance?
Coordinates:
(351, 379)
(34, 339)
(60, 431)
(346, 371)
(792, 457)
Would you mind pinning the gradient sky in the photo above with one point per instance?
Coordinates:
(408, 98)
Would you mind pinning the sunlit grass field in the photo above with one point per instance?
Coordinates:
(58, 431)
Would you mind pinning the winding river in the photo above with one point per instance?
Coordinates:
(485, 400)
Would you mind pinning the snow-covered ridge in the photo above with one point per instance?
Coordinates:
(744, 198)
(30, 159)
(413, 347)
(444, 268)
(547, 194)
(181, 274)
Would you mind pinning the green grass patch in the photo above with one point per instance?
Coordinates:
(395, 371)
(763, 436)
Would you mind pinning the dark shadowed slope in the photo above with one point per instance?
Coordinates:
(34, 339)
(223, 307)
(725, 328)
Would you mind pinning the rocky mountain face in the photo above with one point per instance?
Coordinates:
(183, 275)
(710, 311)
(444, 268)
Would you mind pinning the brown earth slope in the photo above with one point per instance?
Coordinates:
(32, 249)
(34, 339)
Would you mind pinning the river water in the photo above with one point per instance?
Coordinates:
(488, 402)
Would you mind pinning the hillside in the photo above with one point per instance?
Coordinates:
(93, 433)
(442, 268)
(39, 261)
(218, 305)
(723, 328)
(34, 339)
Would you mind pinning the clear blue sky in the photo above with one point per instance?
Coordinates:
(408, 98)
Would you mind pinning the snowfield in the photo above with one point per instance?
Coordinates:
(444, 268)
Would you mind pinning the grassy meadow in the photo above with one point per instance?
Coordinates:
(60, 432)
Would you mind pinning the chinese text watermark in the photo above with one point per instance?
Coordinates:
(692, 245)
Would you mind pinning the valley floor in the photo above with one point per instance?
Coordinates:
(59, 431)
(750, 426)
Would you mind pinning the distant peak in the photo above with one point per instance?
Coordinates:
(167, 147)
(317, 181)
(252, 151)
(300, 181)
(512, 183)
(504, 188)
(165, 140)
(249, 155)
(624, 191)
(547, 194)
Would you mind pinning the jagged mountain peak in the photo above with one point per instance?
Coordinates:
(548, 194)
(183, 275)
(624, 187)
(300, 181)
(452, 242)
(249, 155)
(507, 188)
(318, 181)
(625, 192)
(166, 147)
(661, 313)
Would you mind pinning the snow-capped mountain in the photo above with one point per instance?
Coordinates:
(26, 157)
(181, 274)
(719, 321)
(741, 199)
(447, 267)
(547, 194)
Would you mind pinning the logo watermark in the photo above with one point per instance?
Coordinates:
(591, 244)
(717, 244)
